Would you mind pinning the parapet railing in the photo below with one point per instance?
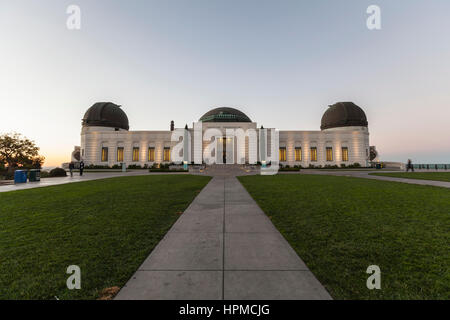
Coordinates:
(434, 166)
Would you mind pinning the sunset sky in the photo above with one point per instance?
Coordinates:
(280, 62)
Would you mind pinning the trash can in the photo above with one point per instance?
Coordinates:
(20, 176)
(35, 175)
(378, 165)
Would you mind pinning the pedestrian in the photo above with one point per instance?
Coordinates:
(71, 167)
(81, 167)
(409, 166)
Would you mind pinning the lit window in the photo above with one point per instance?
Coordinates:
(344, 154)
(120, 154)
(313, 154)
(166, 154)
(104, 154)
(329, 154)
(298, 154)
(135, 154)
(151, 154)
(282, 154)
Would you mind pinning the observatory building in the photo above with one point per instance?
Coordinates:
(224, 136)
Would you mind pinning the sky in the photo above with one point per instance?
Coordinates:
(281, 62)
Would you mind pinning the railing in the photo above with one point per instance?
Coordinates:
(432, 166)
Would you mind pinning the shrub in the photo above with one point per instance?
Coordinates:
(93, 166)
(289, 169)
(134, 166)
(58, 172)
(45, 174)
(354, 165)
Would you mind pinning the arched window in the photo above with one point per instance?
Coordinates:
(151, 154)
(104, 154)
(135, 154)
(166, 154)
(344, 154)
(119, 154)
(313, 152)
(329, 153)
(283, 154)
(298, 154)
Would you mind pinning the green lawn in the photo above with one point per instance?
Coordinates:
(438, 176)
(106, 227)
(341, 225)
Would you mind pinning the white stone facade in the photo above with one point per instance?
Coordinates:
(354, 138)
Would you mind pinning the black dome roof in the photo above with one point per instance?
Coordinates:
(343, 114)
(105, 114)
(225, 115)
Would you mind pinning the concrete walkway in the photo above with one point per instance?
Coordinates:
(223, 247)
(366, 175)
(87, 176)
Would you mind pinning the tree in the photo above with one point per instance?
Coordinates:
(18, 151)
(373, 153)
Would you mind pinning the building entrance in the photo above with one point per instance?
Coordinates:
(225, 150)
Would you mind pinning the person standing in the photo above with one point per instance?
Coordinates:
(71, 166)
(409, 166)
(81, 167)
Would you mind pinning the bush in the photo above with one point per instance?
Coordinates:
(58, 172)
(134, 166)
(354, 165)
(93, 166)
(289, 169)
(45, 174)
(166, 170)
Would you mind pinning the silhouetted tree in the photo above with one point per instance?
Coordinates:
(18, 151)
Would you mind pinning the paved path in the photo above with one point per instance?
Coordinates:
(223, 247)
(45, 182)
(366, 175)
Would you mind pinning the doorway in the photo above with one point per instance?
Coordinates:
(225, 150)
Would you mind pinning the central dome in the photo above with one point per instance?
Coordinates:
(225, 115)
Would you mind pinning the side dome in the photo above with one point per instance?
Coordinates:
(105, 114)
(343, 114)
(225, 115)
